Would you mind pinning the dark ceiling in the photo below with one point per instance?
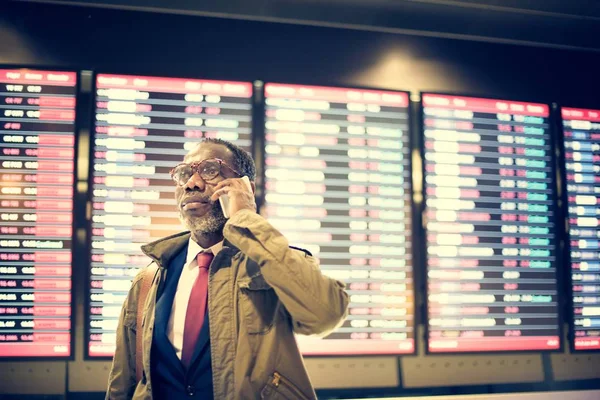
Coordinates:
(571, 24)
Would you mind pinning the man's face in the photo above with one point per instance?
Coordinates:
(196, 211)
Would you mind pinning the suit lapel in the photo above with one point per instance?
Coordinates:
(202, 342)
(163, 312)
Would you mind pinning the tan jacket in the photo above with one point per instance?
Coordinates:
(261, 291)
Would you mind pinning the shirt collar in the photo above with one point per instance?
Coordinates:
(194, 248)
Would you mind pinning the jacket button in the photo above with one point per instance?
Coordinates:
(190, 390)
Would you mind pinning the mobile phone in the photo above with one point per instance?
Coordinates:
(224, 199)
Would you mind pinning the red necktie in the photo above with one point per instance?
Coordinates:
(194, 317)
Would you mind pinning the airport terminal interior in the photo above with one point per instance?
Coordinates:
(441, 158)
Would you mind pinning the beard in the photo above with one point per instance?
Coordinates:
(211, 222)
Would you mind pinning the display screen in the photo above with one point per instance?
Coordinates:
(582, 157)
(144, 127)
(490, 224)
(338, 184)
(37, 131)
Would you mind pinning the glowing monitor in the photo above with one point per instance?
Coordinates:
(338, 184)
(582, 157)
(37, 141)
(491, 250)
(144, 127)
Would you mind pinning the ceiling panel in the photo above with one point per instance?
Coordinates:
(585, 8)
(558, 23)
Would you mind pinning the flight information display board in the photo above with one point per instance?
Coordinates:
(338, 184)
(582, 158)
(37, 138)
(490, 226)
(144, 127)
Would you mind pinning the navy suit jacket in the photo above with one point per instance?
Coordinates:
(169, 377)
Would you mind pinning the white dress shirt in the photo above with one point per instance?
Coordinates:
(182, 295)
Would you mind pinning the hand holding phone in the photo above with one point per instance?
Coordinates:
(224, 199)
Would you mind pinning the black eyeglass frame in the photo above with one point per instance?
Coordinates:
(196, 168)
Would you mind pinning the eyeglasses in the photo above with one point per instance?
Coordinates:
(207, 169)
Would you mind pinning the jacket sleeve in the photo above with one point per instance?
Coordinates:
(316, 303)
(122, 379)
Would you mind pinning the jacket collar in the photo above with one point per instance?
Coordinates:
(162, 251)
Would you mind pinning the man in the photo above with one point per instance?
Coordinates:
(226, 297)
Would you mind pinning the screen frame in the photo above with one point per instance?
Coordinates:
(77, 125)
(568, 270)
(410, 109)
(258, 137)
(558, 237)
(89, 195)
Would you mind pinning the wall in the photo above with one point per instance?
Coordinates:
(189, 46)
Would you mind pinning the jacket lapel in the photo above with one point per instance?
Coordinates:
(162, 251)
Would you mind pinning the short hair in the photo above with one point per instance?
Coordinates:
(242, 160)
